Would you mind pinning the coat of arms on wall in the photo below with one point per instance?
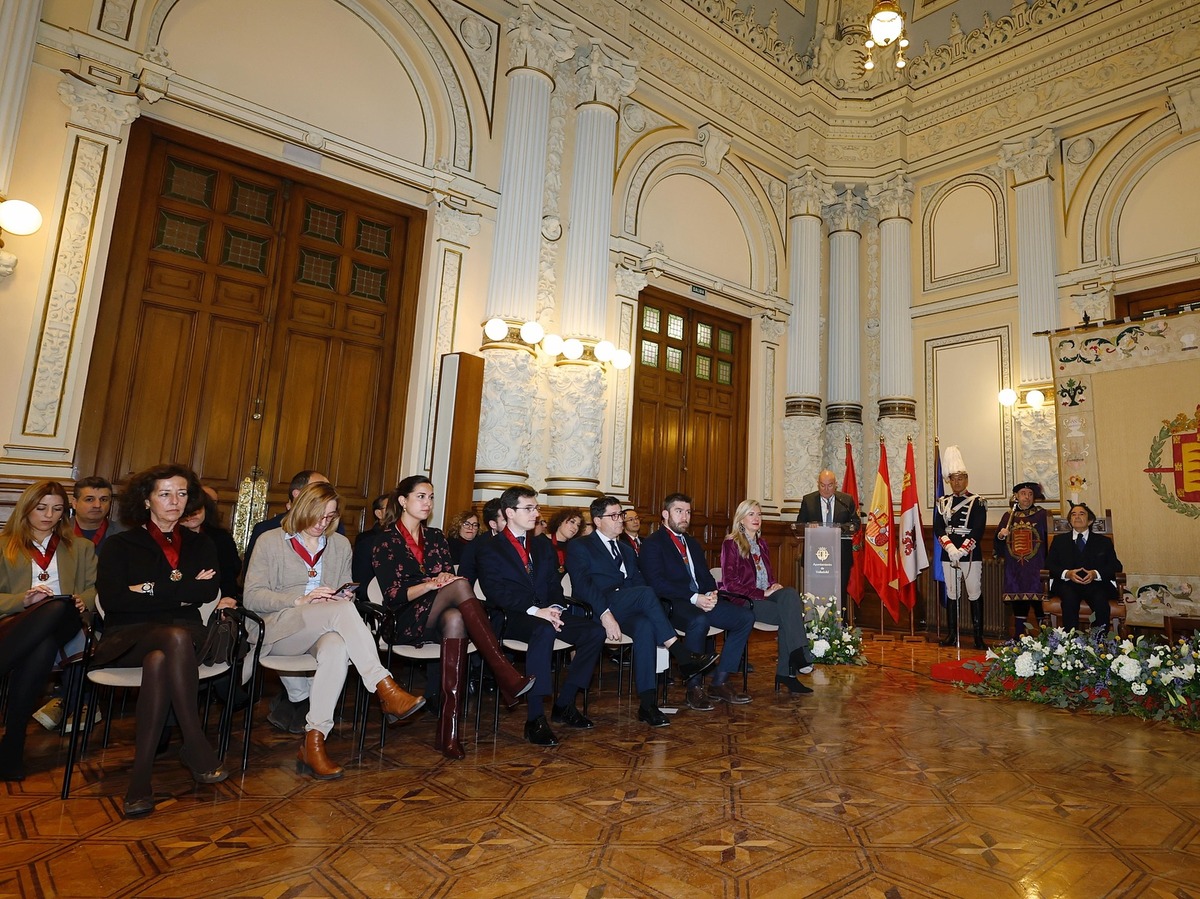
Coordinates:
(1179, 443)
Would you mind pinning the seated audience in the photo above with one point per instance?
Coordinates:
(674, 565)
(563, 527)
(430, 602)
(294, 582)
(362, 569)
(494, 519)
(91, 503)
(1083, 568)
(207, 520)
(152, 580)
(631, 527)
(47, 580)
(605, 575)
(464, 527)
(300, 480)
(746, 576)
(519, 574)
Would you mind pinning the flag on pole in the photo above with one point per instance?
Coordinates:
(879, 555)
(939, 574)
(910, 545)
(850, 487)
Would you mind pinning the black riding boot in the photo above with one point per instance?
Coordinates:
(951, 623)
(977, 623)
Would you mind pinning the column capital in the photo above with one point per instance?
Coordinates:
(96, 109)
(1029, 158)
(453, 224)
(892, 197)
(846, 213)
(604, 77)
(538, 43)
(807, 193)
(630, 282)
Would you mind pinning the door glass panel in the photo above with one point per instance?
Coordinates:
(724, 340)
(245, 251)
(369, 283)
(318, 269)
(704, 368)
(650, 353)
(374, 238)
(252, 202)
(323, 222)
(703, 335)
(675, 326)
(651, 319)
(674, 359)
(724, 372)
(189, 183)
(180, 234)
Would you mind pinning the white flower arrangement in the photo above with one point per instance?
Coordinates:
(830, 642)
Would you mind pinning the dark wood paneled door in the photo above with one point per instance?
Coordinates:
(251, 318)
(689, 412)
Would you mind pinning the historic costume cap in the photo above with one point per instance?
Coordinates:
(952, 461)
(1038, 495)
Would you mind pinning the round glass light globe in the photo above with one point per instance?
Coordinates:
(604, 350)
(1035, 398)
(621, 359)
(552, 344)
(496, 329)
(1007, 397)
(572, 348)
(532, 332)
(19, 218)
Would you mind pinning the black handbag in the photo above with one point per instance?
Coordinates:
(223, 641)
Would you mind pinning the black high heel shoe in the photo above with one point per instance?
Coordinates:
(215, 776)
(793, 685)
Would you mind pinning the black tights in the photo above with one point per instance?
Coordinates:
(27, 653)
(169, 679)
(444, 614)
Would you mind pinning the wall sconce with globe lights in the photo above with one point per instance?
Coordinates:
(528, 335)
(1034, 398)
(886, 24)
(19, 218)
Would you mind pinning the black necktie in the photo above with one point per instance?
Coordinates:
(1080, 542)
(616, 553)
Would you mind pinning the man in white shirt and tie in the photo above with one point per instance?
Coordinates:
(830, 507)
(1083, 568)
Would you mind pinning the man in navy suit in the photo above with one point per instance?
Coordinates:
(1083, 567)
(674, 566)
(519, 573)
(605, 574)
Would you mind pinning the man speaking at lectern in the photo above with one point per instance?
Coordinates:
(830, 507)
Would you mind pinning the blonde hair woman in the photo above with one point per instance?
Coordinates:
(40, 560)
(293, 583)
(746, 574)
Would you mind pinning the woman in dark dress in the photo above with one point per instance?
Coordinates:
(430, 602)
(207, 520)
(464, 527)
(152, 580)
(563, 527)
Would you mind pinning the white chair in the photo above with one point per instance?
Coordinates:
(758, 626)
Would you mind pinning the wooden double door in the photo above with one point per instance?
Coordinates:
(253, 317)
(690, 421)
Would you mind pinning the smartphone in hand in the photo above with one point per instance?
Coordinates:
(347, 591)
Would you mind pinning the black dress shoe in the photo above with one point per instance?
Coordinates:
(538, 732)
(697, 663)
(792, 685)
(138, 808)
(654, 717)
(697, 699)
(570, 716)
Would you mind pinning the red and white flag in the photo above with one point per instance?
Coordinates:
(910, 546)
(879, 553)
(850, 486)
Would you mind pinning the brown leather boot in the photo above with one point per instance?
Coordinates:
(454, 669)
(509, 681)
(312, 758)
(396, 703)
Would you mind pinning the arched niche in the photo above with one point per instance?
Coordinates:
(697, 226)
(964, 231)
(1156, 213)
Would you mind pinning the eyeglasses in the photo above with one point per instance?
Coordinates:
(471, 526)
(528, 508)
(615, 516)
(328, 518)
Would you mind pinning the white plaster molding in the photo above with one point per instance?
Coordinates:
(576, 422)
(454, 225)
(991, 179)
(95, 109)
(548, 250)
(808, 193)
(1185, 103)
(479, 38)
(762, 39)
(803, 444)
(1029, 158)
(846, 213)
(509, 389)
(1095, 304)
(836, 435)
(154, 74)
(630, 283)
(536, 42)
(18, 37)
(715, 143)
(769, 415)
(892, 196)
(772, 330)
(1078, 152)
(637, 121)
(775, 190)
(116, 18)
(1039, 448)
(448, 287)
(622, 407)
(603, 77)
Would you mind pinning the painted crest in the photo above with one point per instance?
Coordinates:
(1175, 451)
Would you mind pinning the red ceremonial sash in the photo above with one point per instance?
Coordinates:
(521, 550)
(168, 543)
(97, 535)
(44, 559)
(679, 544)
(309, 560)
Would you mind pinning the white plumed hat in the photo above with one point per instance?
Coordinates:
(952, 461)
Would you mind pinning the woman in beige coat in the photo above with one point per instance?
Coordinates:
(293, 580)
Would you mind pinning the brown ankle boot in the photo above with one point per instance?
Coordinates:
(396, 703)
(509, 681)
(454, 667)
(312, 758)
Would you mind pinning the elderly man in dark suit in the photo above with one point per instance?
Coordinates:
(674, 566)
(519, 573)
(1083, 568)
(605, 574)
(830, 507)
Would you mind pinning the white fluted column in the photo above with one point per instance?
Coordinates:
(536, 45)
(18, 31)
(579, 388)
(1037, 247)
(843, 400)
(892, 198)
(803, 428)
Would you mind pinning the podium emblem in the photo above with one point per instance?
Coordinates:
(823, 554)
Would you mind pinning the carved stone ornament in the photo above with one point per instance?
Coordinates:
(715, 144)
(507, 411)
(1095, 304)
(802, 441)
(537, 43)
(761, 38)
(769, 414)
(892, 197)
(836, 435)
(1029, 158)
(455, 225)
(1039, 448)
(116, 17)
(604, 77)
(1185, 101)
(576, 421)
(846, 213)
(96, 109)
(630, 283)
(808, 193)
(772, 331)
(896, 433)
(479, 38)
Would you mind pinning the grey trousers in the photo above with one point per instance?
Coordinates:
(785, 608)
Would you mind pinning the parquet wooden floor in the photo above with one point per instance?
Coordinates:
(881, 784)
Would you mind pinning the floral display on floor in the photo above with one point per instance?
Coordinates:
(1106, 674)
(831, 643)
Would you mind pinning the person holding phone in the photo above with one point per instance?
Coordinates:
(47, 580)
(299, 581)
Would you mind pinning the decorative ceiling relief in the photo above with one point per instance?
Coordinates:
(480, 40)
(1080, 150)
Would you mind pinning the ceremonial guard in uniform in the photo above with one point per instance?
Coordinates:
(1021, 542)
(958, 526)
